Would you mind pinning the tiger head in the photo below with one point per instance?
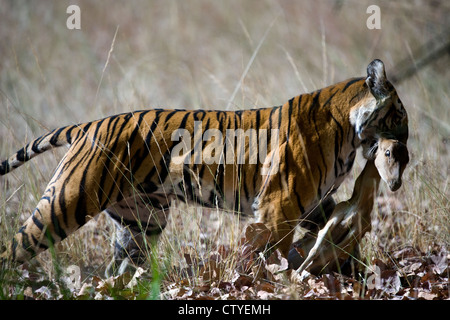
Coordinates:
(380, 114)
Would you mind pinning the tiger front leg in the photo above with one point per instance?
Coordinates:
(274, 206)
(280, 217)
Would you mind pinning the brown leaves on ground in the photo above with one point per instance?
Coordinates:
(410, 274)
(253, 275)
(255, 271)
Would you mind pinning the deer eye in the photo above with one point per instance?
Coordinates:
(387, 153)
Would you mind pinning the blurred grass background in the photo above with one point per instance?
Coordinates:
(193, 54)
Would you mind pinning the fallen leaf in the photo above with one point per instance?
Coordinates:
(210, 271)
(333, 284)
(390, 281)
(265, 286)
(243, 282)
(86, 290)
(133, 282)
(264, 295)
(426, 295)
(257, 235)
(411, 269)
(276, 262)
(226, 286)
(45, 292)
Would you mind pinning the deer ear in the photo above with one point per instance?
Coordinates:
(376, 79)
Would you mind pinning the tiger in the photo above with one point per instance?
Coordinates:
(277, 164)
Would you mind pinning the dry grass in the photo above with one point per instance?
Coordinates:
(203, 54)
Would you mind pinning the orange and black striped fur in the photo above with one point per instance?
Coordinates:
(127, 166)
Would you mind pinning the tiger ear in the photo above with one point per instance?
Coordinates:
(376, 79)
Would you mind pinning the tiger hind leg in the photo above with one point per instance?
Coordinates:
(59, 213)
